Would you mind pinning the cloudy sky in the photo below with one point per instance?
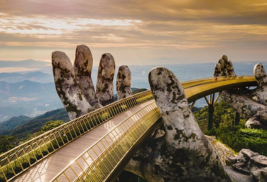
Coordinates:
(139, 32)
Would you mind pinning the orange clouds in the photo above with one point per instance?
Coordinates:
(118, 25)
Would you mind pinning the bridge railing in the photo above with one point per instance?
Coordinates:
(22, 157)
(98, 161)
(202, 81)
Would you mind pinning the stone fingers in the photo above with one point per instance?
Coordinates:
(224, 67)
(217, 70)
(104, 87)
(260, 74)
(67, 87)
(82, 69)
(172, 103)
(123, 83)
(186, 149)
(245, 106)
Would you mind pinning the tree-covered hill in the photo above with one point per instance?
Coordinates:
(8, 125)
(27, 98)
(35, 124)
(22, 126)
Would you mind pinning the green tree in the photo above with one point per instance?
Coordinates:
(223, 115)
(236, 137)
(49, 125)
(6, 143)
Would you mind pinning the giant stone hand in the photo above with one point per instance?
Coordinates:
(184, 153)
(74, 84)
(123, 84)
(251, 104)
(67, 87)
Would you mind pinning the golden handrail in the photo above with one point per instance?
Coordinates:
(98, 161)
(22, 157)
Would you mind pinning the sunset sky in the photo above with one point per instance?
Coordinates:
(135, 32)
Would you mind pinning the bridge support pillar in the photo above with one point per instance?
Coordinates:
(237, 119)
(211, 102)
(210, 116)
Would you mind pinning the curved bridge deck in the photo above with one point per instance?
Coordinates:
(18, 160)
(48, 168)
(101, 154)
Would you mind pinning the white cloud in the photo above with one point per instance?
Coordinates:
(26, 25)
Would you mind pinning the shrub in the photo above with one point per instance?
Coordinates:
(236, 137)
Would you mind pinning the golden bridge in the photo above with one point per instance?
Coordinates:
(97, 146)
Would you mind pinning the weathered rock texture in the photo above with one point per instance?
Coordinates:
(123, 83)
(223, 152)
(237, 176)
(67, 87)
(82, 69)
(75, 86)
(224, 67)
(104, 87)
(260, 94)
(242, 104)
(183, 153)
(260, 75)
(250, 163)
(248, 108)
(251, 104)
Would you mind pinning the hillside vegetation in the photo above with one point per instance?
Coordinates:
(236, 136)
(22, 128)
(35, 124)
(8, 125)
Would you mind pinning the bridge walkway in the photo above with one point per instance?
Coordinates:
(48, 168)
(107, 165)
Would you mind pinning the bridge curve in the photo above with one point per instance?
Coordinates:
(193, 89)
(197, 89)
(122, 141)
(18, 162)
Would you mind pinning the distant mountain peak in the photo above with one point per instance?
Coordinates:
(34, 76)
(28, 65)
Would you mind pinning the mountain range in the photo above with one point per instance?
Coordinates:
(27, 98)
(16, 77)
(26, 64)
(22, 126)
